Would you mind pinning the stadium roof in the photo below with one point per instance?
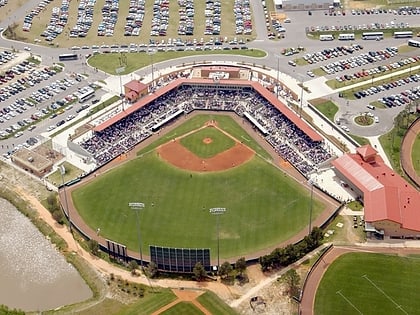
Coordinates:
(178, 82)
(386, 195)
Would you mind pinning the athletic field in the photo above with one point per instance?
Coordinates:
(264, 206)
(365, 283)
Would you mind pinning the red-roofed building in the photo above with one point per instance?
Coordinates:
(392, 205)
(134, 90)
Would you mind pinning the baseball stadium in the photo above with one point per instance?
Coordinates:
(214, 140)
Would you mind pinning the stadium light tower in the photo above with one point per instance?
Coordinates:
(311, 183)
(218, 212)
(151, 52)
(62, 172)
(137, 206)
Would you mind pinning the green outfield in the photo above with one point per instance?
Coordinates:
(365, 283)
(264, 206)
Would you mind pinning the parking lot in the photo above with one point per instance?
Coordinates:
(36, 99)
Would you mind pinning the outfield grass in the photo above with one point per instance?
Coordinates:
(223, 121)
(372, 283)
(110, 62)
(415, 154)
(184, 308)
(214, 304)
(219, 142)
(264, 207)
(149, 303)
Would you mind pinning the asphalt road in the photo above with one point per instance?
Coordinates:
(294, 36)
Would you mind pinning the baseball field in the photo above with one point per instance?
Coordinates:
(264, 206)
(367, 283)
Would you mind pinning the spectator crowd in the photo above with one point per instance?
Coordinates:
(291, 143)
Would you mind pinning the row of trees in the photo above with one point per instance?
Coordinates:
(281, 257)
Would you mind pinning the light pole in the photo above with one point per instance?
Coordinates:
(119, 71)
(151, 52)
(137, 206)
(311, 183)
(62, 172)
(218, 212)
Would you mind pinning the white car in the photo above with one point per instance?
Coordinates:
(376, 119)
(27, 48)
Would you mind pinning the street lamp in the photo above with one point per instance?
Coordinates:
(119, 71)
(66, 210)
(218, 212)
(311, 183)
(151, 52)
(137, 206)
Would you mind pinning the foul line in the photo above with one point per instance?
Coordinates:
(380, 290)
(348, 301)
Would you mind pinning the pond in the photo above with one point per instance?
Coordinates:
(34, 276)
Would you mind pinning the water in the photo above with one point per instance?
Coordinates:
(33, 274)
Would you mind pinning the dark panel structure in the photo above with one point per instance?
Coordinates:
(182, 260)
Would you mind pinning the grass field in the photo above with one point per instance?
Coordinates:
(225, 122)
(415, 154)
(328, 108)
(361, 283)
(264, 207)
(214, 304)
(185, 308)
(134, 61)
(220, 142)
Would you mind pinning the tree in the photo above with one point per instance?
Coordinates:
(52, 203)
(152, 269)
(240, 265)
(292, 281)
(199, 272)
(93, 246)
(133, 266)
(58, 216)
(225, 270)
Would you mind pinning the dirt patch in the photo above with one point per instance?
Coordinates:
(184, 296)
(176, 154)
(207, 140)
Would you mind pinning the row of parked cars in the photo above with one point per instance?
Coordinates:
(6, 56)
(402, 98)
(109, 18)
(160, 19)
(387, 86)
(186, 17)
(350, 27)
(213, 15)
(400, 11)
(359, 60)
(243, 17)
(85, 12)
(380, 69)
(135, 17)
(26, 75)
(329, 53)
(58, 21)
(27, 21)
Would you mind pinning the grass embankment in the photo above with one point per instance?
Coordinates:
(134, 61)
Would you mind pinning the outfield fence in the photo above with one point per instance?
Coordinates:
(407, 144)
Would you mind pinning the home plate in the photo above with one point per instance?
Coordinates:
(339, 224)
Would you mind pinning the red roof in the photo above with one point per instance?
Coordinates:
(136, 86)
(386, 195)
(366, 151)
(178, 82)
(132, 95)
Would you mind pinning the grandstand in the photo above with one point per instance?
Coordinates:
(290, 137)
